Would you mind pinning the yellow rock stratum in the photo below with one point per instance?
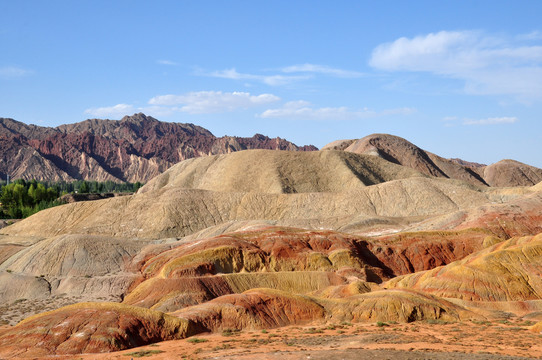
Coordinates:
(508, 271)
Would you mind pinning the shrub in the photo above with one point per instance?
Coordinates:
(197, 340)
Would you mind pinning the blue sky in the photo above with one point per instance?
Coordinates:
(458, 78)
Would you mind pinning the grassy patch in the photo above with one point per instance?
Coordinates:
(381, 324)
(144, 353)
(314, 331)
(483, 322)
(230, 332)
(196, 340)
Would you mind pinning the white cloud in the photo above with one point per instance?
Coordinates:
(204, 102)
(273, 80)
(307, 71)
(166, 62)
(116, 111)
(321, 69)
(13, 71)
(491, 121)
(489, 65)
(304, 110)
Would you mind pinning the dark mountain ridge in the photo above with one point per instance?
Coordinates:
(135, 148)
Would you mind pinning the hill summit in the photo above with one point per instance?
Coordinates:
(402, 152)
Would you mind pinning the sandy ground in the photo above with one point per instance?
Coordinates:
(12, 313)
(421, 340)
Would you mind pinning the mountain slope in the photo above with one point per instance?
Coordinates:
(267, 171)
(136, 148)
(400, 151)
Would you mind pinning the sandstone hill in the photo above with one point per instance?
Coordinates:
(136, 148)
(277, 172)
(293, 190)
(400, 151)
(259, 239)
(91, 328)
(507, 271)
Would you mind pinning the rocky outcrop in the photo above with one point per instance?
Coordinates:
(90, 328)
(136, 148)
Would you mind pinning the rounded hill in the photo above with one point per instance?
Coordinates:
(277, 172)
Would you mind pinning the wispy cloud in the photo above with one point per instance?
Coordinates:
(306, 111)
(205, 102)
(115, 111)
(321, 69)
(451, 121)
(491, 121)
(533, 35)
(273, 80)
(166, 62)
(489, 65)
(13, 71)
(285, 75)
(201, 102)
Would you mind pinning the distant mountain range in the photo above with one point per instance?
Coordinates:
(135, 148)
(139, 147)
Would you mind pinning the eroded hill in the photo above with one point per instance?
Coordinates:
(400, 151)
(262, 239)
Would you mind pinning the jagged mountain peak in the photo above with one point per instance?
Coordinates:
(135, 148)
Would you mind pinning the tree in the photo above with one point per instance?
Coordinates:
(32, 192)
(40, 193)
(136, 186)
(20, 194)
(84, 188)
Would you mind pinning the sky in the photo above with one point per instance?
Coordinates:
(462, 79)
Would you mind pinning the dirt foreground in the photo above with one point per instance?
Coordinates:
(503, 339)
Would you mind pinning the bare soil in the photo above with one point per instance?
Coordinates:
(507, 339)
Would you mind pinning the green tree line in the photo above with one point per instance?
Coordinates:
(22, 198)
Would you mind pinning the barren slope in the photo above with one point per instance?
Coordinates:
(400, 151)
(512, 173)
(173, 211)
(267, 171)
